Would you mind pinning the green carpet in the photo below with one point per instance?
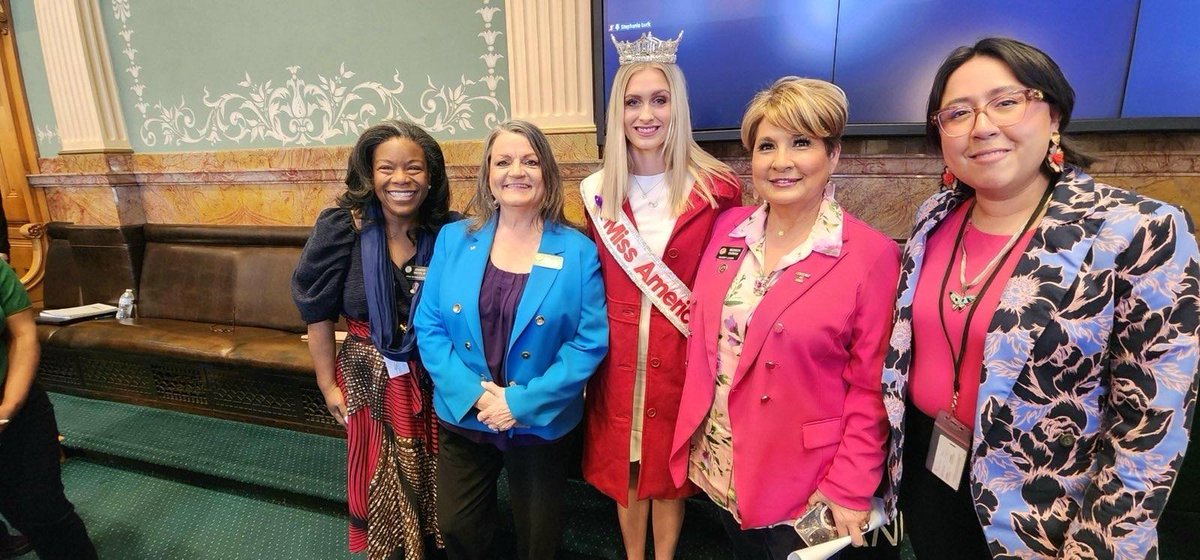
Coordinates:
(273, 458)
(237, 472)
(133, 515)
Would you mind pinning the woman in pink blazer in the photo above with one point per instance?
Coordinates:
(782, 405)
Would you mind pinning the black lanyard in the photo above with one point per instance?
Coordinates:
(958, 239)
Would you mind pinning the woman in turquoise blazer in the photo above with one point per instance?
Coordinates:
(511, 324)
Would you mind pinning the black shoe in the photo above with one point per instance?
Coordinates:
(12, 546)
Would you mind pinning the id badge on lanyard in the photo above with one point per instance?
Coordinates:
(951, 439)
(948, 447)
(950, 444)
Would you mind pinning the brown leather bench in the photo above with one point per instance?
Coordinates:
(215, 333)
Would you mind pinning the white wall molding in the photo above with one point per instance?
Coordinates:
(550, 63)
(83, 91)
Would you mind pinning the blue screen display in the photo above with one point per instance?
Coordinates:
(1164, 76)
(888, 52)
(884, 54)
(730, 49)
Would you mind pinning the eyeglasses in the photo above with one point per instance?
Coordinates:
(1005, 109)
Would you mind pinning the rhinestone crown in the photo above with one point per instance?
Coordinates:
(647, 48)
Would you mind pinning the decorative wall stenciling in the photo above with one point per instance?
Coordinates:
(49, 137)
(300, 113)
(301, 93)
(33, 74)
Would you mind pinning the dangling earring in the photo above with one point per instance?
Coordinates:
(948, 178)
(1054, 156)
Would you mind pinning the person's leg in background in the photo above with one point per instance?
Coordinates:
(12, 545)
(31, 489)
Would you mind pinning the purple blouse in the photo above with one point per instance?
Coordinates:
(498, 299)
(499, 295)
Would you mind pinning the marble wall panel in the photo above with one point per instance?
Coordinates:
(85, 163)
(881, 182)
(243, 204)
(83, 205)
(240, 160)
(1181, 190)
(886, 203)
(573, 203)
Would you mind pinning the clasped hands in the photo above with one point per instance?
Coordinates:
(493, 408)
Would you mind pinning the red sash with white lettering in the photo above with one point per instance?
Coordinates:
(649, 273)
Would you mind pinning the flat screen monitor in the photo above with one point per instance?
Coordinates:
(1133, 64)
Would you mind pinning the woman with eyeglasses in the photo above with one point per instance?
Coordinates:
(1042, 370)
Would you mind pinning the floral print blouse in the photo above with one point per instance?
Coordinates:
(710, 461)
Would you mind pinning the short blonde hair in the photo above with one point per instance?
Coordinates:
(814, 108)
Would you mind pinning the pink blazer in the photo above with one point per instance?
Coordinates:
(806, 404)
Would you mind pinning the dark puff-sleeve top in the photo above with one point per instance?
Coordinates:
(328, 281)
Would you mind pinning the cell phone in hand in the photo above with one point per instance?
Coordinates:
(816, 526)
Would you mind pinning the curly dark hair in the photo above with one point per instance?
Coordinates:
(360, 186)
(1033, 68)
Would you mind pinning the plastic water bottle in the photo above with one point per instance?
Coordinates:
(125, 305)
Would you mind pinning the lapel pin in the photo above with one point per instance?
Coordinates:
(721, 268)
(801, 277)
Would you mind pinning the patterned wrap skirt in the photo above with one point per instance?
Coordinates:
(391, 433)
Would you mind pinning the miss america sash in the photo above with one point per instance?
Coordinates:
(649, 273)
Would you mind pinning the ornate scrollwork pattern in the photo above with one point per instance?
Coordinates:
(33, 230)
(306, 109)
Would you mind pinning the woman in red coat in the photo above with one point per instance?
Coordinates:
(650, 211)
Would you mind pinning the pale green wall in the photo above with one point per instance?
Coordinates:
(228, 74)
(33, 71)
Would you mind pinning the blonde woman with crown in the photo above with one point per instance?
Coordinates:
(650, 210)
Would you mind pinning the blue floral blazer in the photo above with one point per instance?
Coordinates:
(1089, 377)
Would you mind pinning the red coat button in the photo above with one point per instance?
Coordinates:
(655, 362)
(673, 253)
(651, 412)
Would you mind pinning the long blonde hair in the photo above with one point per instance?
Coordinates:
(680, 153)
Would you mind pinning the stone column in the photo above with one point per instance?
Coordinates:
(79, 71)
(550, 63)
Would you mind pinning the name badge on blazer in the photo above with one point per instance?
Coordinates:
(730, 253)
(416, 273)
(548, 261)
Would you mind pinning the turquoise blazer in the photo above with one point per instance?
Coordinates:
(559, 336)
